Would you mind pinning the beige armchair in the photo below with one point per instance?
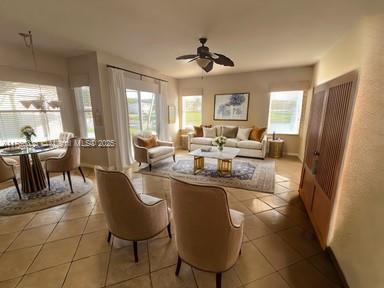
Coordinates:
(65, 163)
(164, 149)
(208, 233)
(130, 216)
(62, 143)
(7, 172)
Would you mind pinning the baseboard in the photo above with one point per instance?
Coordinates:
(332, 256)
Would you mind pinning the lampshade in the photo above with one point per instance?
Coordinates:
(202, 62)
(26, 103)
(54, 104)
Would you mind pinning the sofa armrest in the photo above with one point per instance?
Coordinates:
(165, 143)
(264, 142)
(190, 136)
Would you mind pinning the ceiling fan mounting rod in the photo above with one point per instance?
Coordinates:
(203, 40)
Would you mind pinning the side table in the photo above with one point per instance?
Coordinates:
(276, 148)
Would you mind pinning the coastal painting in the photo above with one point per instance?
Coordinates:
(232, 106)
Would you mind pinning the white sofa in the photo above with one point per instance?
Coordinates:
(248, 148)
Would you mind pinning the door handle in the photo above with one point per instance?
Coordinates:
(316, 153)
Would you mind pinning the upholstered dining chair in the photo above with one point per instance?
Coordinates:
(7, 172)
(208, 233)
(65, 163)
(62, 143)
(130, 216)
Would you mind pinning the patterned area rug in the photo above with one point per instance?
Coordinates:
(60, 193)
(249, 174)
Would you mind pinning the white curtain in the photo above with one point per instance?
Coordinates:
(120, 119)
(163, 111)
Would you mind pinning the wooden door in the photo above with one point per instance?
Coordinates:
(327, 132)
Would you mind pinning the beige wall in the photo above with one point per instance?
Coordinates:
(16, 64)
(259, 84)
(172, 98)
(357, 235)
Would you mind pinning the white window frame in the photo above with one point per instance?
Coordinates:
(183, 124)
(296, 130)
(81, 110)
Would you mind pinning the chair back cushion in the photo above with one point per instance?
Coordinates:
(203, 226)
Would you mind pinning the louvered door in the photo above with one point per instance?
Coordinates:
(327, 132)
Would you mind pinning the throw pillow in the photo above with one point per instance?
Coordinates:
(209, 132)
(147, 142)
(243, 133)
(199, 130)
(257, 134)
(230, 131)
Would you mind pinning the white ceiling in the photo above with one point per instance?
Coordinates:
(256, 34)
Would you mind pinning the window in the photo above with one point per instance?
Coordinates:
(28, 104)
(84, 112)
(285, 112)
(142, 111)
(191, 111)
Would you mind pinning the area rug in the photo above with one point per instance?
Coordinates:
(249, 174)
(60, 193)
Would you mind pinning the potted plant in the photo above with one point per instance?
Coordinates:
(28, 132)
(220, 141)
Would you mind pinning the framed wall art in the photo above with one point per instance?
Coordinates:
(232, 106)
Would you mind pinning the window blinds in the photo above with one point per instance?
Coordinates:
(14, 96)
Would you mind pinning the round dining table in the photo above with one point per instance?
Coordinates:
(31, 171)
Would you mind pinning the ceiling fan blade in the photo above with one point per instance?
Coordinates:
(197, 57)
(189, 56)
(208, 67)
(213, 55)
(223, 60)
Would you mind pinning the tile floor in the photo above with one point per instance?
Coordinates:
(66, 246)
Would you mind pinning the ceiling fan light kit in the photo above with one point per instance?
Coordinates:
(205, 59)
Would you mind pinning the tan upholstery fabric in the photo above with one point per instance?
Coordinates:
(231, 142)
(159, 151)
(59, 152)
(6, 170)
(249, 144)
(229, 131)
(67, 162)
(206, 236)
(202, 140)
(129, 217)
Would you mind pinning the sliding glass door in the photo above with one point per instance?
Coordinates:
(142, 109)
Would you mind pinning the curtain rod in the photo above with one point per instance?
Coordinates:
(137, 73)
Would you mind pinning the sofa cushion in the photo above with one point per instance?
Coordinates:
(199, 130)
(249, 144)
(201, 141)
(230, 131)
(236, 217)
(243, 133)
(219, 130)
(158, 151)
(257, 134)
(209, 132)
(231, 142)
(147, 142)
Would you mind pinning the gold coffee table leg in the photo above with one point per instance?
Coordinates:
(198, 164)
(224, 166)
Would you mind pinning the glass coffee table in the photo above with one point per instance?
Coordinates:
(224, 159)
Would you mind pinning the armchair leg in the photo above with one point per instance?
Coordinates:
(178, 266)
(69, 179)
(139, 164)
(109, 236)
(218, 280)
(174, 157)
(150, 167)
(82, 174)
(135, 251)
(17, 187)
(63, 176)
(169, 231)
(49, 182)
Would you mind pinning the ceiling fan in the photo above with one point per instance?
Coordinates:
(205, 59)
